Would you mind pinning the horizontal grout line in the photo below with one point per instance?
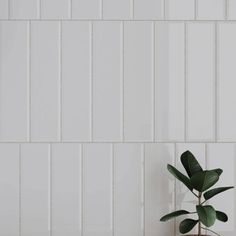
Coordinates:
(123, 20)
(111, 142)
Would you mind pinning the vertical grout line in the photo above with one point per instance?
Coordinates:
(195, 9)
(91, 81)
(60, 83)
(143, 187)
(121, 81)
(29, 83)
(70, 9)
(185, 82)
(101, 9)
(19, 189)
(132, 9)
(50, 189)
(154, 82)
(40, 9)
(216, 82)
(9, 9)
(164, 9)
(226, 9)
(113, 188)
(82, 189)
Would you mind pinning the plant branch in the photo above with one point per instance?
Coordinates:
(211, 231)
(203, 202)
(199, 224)
(194, 194)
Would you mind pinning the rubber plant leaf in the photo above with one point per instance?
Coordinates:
(187, 225)
(218, 171)
(206, 214)
(190, 163)
(221, 216)
(181, 177)
(202, 181)
(174, 214)
(211, 193)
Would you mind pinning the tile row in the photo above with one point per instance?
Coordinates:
(118, 9)
(102, 189)
(117, 81)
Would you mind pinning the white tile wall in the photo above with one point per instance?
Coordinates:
(96, 97)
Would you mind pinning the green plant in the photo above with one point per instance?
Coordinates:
(198, 181)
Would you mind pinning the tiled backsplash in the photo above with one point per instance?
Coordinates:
(96, 97)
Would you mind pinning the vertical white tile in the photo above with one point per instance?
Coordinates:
(185, 200)
(117, 9)
(107, 80)
(159, 188)
(76, 81)
(211, 9)
(226, 82)
(35, 190)
(200, 81)
(148, 9)
(97, 190)
(13, 81)
(45, 81)
(138, 81)
(4, 9)
(169, 85)
(180, 10)
(223, 156)
(87, 9)
(128, 187)
(231, 9)
(55, 9)
(24, 9)
(9, 189)
(66, 189)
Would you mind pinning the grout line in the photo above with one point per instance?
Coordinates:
(60, 82)
(185, 84)
(143, 187)
(20, 221)
(113, 189)
(122, 83)
(40, 9)
(50, 189)
(164, 9)
(226, 9)
(70, 8)
(132, 9)
(9, 9)
(101, 9)
(195, 10)
(154, 82)
(124, 20)
(29, 83)
(82, 189)
(216, 83)
(91, 81)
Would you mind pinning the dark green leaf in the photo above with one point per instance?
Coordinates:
(207, 215)
(211, 193)
(202, 181)
(190, 163)
(221, 216)
(218, 171)
(173, 215)
(187, 225)
(184, 179)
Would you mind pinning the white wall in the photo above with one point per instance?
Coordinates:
(96, 97)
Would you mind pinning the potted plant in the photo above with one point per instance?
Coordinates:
(198, 181)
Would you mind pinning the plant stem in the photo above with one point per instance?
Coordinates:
(211, 231)
(199, 224)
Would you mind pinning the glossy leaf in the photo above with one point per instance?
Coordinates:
(190, 163)
(207, 215)
(221, 216)
(218, 171)
(202, 181)
(187, 225)
(173, 215)
(211, 193)
(181, 177)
